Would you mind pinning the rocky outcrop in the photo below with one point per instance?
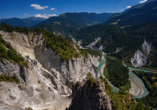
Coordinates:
(37, 89)
(90, 98)
(92, 44)
(118, 50)
(147, 47)
(73, 39)
(139, 59)
(101, 47)
(47, 81)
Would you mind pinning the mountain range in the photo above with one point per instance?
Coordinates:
(22, 22)
(68, 23)
(80, 61)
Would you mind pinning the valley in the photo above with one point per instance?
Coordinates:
(55, 59)
(138, 89)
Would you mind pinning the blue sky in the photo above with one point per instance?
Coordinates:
(48, 8)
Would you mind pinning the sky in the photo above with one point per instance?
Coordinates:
(50, 8)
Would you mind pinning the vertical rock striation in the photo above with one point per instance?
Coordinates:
(46, 82)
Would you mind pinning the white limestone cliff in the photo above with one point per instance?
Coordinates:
(139, 58)
(47, 81)
(92, 44)
(147, 47)
(101, 47)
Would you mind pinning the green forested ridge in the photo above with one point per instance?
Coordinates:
(112, 37)
(93, 52)
(65, 48)
(62, 46)
(117, 73)
(68, 23)
(134, 38)
(108, 33)
(134, 16)
(150, 81)
(7, 52)
(9, 28)
(64, 30)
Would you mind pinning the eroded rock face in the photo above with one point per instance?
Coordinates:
(118, 50)
(147, 47)
(47, 81)
(101, 47)
(139, 59)
(37, 88)
(92, 44)
(90, 98)
(73, 70)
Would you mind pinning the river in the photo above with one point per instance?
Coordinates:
(135, 80)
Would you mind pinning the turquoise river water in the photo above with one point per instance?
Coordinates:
(131, 73)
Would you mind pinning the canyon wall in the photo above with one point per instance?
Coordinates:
(46, 82)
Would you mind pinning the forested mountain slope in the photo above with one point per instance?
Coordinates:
(146, 13)
(126, 32)
(129, 38)
(107, 33)
(68, 23)
(140, 5)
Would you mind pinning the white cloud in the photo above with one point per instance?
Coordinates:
(142, 1)
(45, 15)
(38, 7)
(122, 9)
(128, 7)
(51, 15)
(25, 14)
(52, 9)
